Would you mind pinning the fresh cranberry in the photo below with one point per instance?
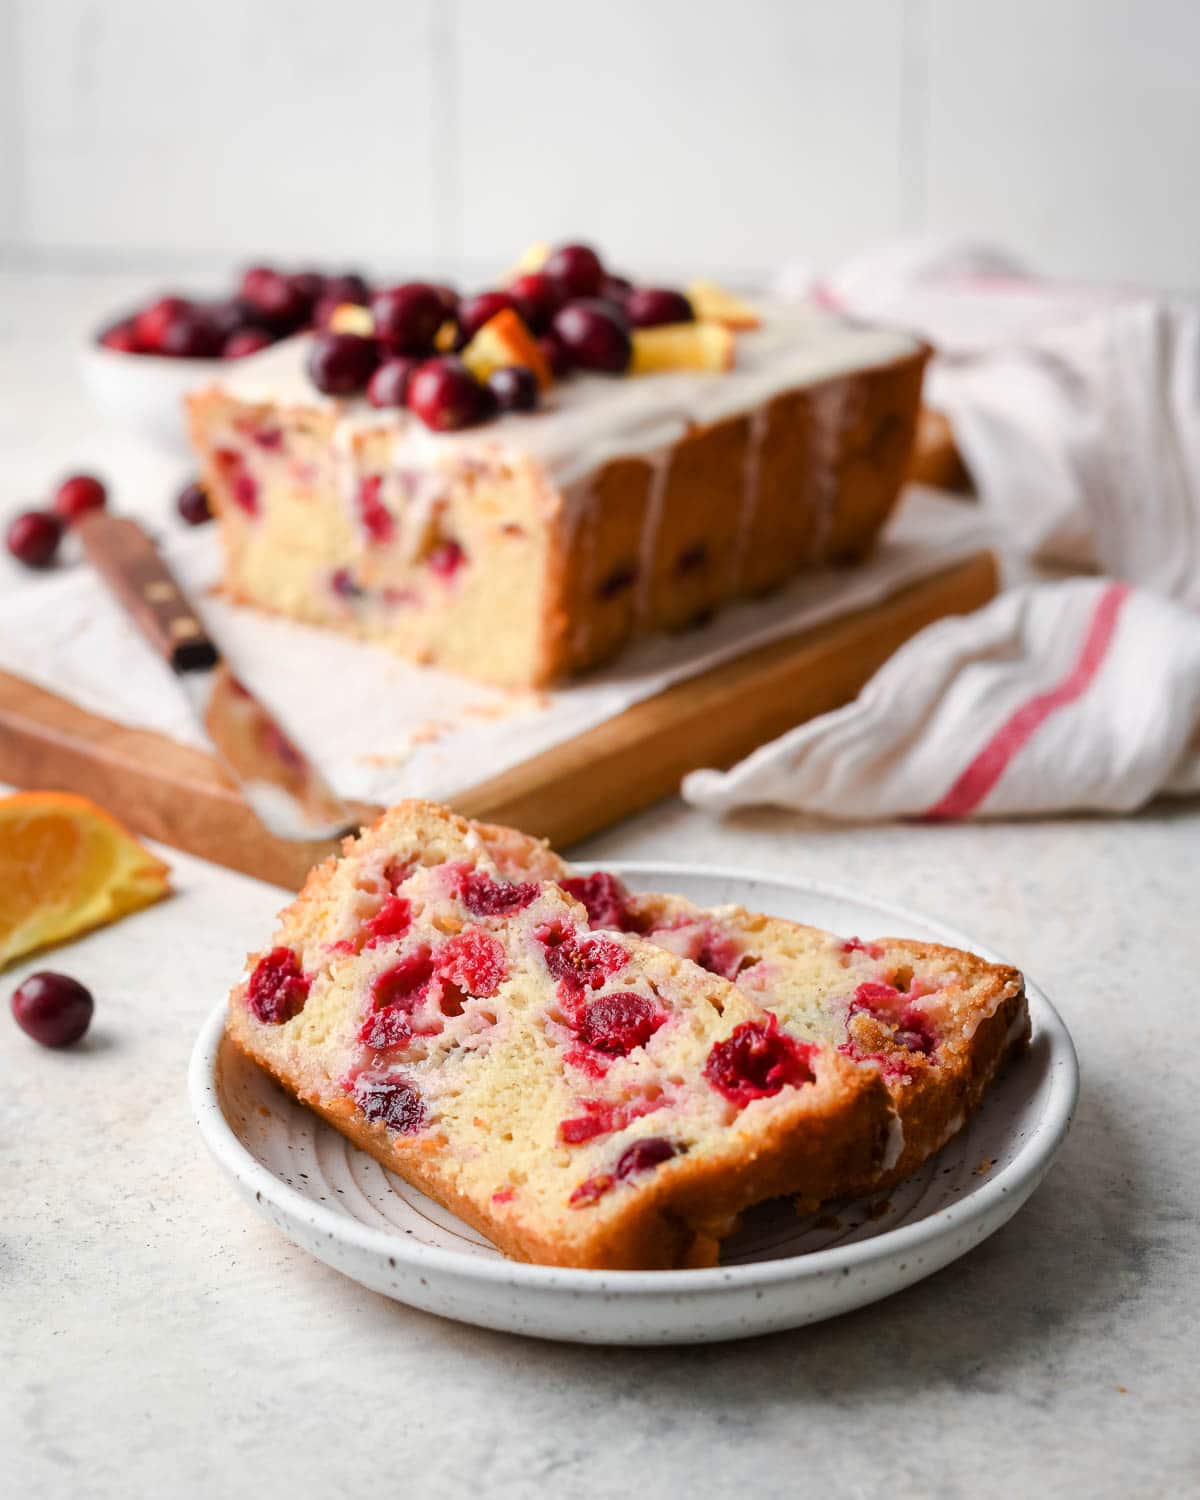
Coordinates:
(348, 287)
(389, 384)
(515, 388)
(577, 270)
(650, 1151)
(616, 289)
(193, 505)
(757, 1060)
(537, 297)
(190, 334)
(648, 306)
(391, 1099)
(152, 322)
(446, 559)
(33, 538)
(387, 1028)
(53, 1009)
(605, 898)
(485, 897)
(407, 317)
(275, 298)
(341, 364)
(405, 983)
(307, 284)
(594, 333)
(445, 395)
(324, 310)
(619, 1023)
(376, 518)
(474, 312)
(393, 919)
(278, 987)
(474, 961)
(246, 341)
(557, 355)
(448, 297)
(122, 337)
(78, 495)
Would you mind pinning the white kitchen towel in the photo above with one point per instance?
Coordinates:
(1078, 412)
(1077, 408)
(1082, 694)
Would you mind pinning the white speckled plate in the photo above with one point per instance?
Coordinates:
(779, 1271)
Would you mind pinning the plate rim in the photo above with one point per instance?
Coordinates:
(1024, 1172)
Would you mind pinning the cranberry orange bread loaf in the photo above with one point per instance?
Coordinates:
(936, 1022)
(438, 515)
(584, 1099)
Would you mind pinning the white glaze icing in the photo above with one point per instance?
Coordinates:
(589, 419)
(895, 1143)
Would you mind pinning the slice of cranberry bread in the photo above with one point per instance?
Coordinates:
(581, 1098)
(936, 1022)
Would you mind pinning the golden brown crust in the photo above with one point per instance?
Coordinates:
(809, 1150)
(809, 497)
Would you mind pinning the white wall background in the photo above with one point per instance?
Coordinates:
(732, 134)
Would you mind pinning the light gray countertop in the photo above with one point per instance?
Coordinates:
(157, 1338)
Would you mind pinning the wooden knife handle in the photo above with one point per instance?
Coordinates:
(128, 561)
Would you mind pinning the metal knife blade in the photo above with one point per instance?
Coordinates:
(286, 792)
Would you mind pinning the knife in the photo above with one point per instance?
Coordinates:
(284, 789)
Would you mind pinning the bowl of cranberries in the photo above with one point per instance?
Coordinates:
(138, 367)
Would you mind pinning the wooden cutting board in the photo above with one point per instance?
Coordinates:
(177, 794)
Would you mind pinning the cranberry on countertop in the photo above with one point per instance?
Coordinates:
(595, 334)
(341, 364)
(577, 269)
(389, 384)
(474, 312)
(446, 396)
(192, 504)
(33, 538)
(78, 495)
(407, 317)
(648, 306)
(53, 1009)
(515, 388)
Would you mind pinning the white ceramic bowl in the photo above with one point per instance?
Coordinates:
(779, 1271)
(144, 392)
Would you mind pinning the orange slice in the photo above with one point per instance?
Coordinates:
(66, 866)
(504, 340)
